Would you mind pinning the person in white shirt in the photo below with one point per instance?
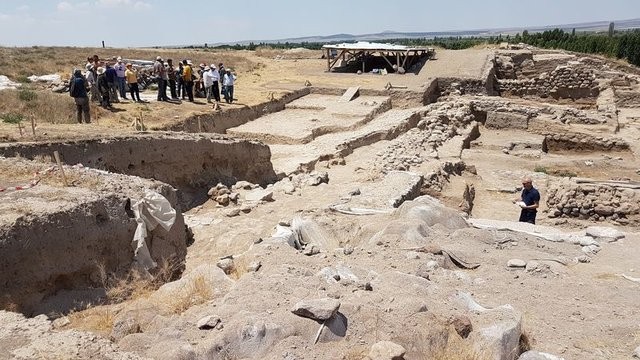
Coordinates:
(207, 82)
(120, 70)
(228, 81)
(216, 79)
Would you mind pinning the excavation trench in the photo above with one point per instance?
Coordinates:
(190, 163)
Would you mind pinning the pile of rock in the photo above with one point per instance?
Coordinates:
(594, 202)
(223, 195)
(441, 122)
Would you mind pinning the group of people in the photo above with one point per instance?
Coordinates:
(183, 81)
(107, 83)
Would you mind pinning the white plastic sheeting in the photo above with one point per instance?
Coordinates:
(150, 211)
(5, 83)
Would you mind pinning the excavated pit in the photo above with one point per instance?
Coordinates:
(63, 240)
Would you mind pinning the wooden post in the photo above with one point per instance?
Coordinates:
(397, 60)
(199, 125)
(328, 60)
(57, 156)
(20, 128)
(103, 44)
(33, 126)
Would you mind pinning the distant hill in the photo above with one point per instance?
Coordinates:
(388, 35)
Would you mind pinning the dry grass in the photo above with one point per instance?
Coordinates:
(98, 319)
(18, 63)
(135, 284)
(196, 292)
(42, 106)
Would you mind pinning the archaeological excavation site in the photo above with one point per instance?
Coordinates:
(336, 215)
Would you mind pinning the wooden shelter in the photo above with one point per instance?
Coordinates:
(398, 55)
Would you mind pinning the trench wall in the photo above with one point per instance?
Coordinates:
(62, 248)
(190, 163)
(221, 121)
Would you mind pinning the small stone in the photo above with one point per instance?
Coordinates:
(636, 353)
(208, 322)
(61, 322)
(246, 208)
(316, 309)
(259, 195)
(532, 266)
(462, 325)
(226, 265)
(386, 350)
(232, 212)
(284, 222)
(311, 250)
(348, 250)
(355, 192)
(223, 199)
(234, 196)
(583, 259)
(254, 266)
(245, 185)
(535, 355)
(516, 263)
(318, 178)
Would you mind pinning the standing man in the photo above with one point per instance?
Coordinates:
(120, 70)
(112, 79)
(78, 90)
(92, 81)
(171, 73)
(529, 201)
(182, 92)
(207, 79)
(187, 77)
(216, 79)
(132, 80)
(103, 88)
(227, 85)
(161, 75)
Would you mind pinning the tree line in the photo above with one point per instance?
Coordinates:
(615, 44)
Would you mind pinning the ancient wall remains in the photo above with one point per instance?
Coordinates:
(594, 202)
(522, 74)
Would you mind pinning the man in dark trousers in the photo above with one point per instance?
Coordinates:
(78, 90)
(529, 201)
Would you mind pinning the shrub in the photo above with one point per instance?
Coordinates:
(27, 95)
(540, 169)
(12, 118)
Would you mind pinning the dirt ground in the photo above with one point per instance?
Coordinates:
(573, 300)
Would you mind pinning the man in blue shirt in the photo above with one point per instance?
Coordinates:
(529, 202)
(78, 90)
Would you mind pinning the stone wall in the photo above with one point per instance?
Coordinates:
(583, 142)
(574, 82)
(594, 202)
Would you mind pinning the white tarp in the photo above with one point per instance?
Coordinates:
(53, 78)
(150, 211)
(5, 83)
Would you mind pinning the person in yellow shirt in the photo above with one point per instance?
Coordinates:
(132, 80)
(187, 77)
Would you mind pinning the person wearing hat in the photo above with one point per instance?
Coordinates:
(187, 77)
(216, 79)
(171, 73)
(92, 80)
(228, 81)
(199, 83)
(182, 91)
(78, 90)
(120, 80)
(103, 88)
(132, 81)
(161, 76)
(207, 82)
(112, 79)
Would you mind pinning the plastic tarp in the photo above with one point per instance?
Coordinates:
(150, 211)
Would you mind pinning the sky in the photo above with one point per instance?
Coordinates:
(141, 23)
